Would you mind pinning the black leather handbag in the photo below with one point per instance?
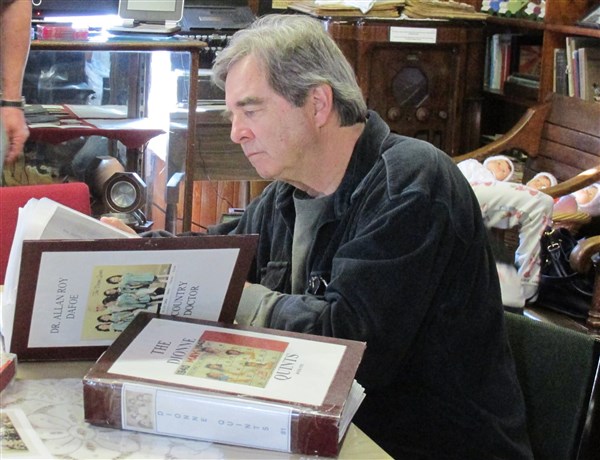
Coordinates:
(561, 288)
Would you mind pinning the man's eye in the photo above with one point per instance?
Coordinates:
(249, 113)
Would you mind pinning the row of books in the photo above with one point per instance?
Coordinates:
(156, 315)
(511, 55)
(577, 68)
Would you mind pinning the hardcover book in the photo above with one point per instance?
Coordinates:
(589, 73)
(572, 46)
(8, 369)
(73, 297)
(229, 384)
(560, 84)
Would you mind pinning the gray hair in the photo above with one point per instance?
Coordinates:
(297, 55)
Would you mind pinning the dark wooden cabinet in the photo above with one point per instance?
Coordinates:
(429, 88)
(501, 110)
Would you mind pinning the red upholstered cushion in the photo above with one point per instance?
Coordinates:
(76, 195)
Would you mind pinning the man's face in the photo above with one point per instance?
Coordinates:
(275, 136)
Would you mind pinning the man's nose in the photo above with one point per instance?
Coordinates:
(239, 131)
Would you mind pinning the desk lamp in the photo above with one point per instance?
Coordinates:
(123, 193)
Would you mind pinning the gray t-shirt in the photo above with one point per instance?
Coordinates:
(308, 213)
(257, 301)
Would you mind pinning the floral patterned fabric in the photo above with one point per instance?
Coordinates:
(54, 408)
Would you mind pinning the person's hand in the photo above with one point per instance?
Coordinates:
(17, 132)
(117, 223)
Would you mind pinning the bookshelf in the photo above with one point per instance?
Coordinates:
(499, 110)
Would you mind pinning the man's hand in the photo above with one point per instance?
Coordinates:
(17, 132)
(117, 223)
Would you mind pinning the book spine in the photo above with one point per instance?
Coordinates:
(575, 69)
(569, 52)
(198, 415)
(487, 64)
(495, 63)
(582, 74)
(506, 53)
(560, 72)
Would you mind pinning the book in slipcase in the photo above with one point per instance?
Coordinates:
(74, 297)
(229, 384)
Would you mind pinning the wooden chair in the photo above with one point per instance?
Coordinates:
(74, 194)
(560, 136)
(558, 370)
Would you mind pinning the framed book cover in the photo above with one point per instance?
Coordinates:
(75, 297)
(231, 384)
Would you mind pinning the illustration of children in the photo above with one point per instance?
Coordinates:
(139, 408)
(228, 377)
(137, 280)
(237, 352)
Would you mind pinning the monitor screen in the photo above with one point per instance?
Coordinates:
(46, 8)
(151, 10)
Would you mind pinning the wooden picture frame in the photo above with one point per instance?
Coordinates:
(47, 323)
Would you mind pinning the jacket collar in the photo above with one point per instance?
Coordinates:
(367, 151)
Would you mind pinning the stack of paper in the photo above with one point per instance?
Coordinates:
(439, 9)
(340, 8)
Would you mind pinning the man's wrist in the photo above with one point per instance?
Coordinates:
(17, 103)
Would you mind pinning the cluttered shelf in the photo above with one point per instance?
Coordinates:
(128, 83)
(58, 123)
(516, 23)
(528, 24)
(529, 59)
(141, 42)
(573, 30)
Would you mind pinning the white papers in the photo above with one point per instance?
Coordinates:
(353, 402)
(98, 111)
(45, 219)
(362, 5)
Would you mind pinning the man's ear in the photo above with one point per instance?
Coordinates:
(322, 100)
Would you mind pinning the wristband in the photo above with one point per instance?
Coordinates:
(20, 104)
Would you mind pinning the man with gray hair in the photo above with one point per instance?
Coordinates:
(371, 236)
